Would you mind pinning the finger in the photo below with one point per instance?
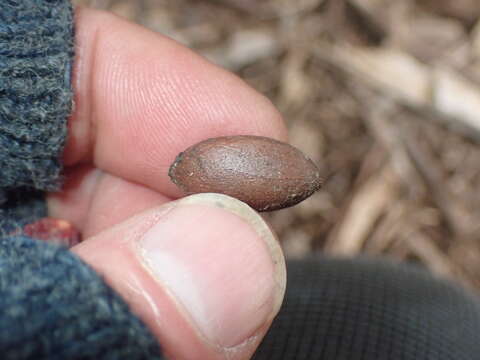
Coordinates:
(204, 273)
(93, 200)
(141, 98)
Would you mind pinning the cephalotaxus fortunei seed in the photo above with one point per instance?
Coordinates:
(264, 173)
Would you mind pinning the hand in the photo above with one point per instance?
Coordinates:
(204, 273)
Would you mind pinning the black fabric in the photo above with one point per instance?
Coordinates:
(365, 309)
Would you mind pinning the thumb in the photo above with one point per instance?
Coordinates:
(204, 273)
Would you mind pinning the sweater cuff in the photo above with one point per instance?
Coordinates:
(56, 307)
(36, 55)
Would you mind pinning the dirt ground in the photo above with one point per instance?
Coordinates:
(382, 94)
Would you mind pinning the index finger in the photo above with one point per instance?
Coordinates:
(141, 98)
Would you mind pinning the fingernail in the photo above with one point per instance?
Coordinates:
(221, 263)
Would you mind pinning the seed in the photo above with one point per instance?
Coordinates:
(56, 231)
(264, 173)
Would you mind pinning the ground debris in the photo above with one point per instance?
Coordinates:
(384, 95)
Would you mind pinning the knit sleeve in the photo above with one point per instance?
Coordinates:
(53, 306)
(36, 54)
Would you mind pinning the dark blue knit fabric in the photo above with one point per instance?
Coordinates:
(36, 52)
(36, 55)
(52, 306)
(20, 206)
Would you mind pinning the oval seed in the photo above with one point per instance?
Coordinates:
(264, 173)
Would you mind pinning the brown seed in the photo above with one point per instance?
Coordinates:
(266, 174)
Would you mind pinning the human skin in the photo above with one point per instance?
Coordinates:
(205, 274)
